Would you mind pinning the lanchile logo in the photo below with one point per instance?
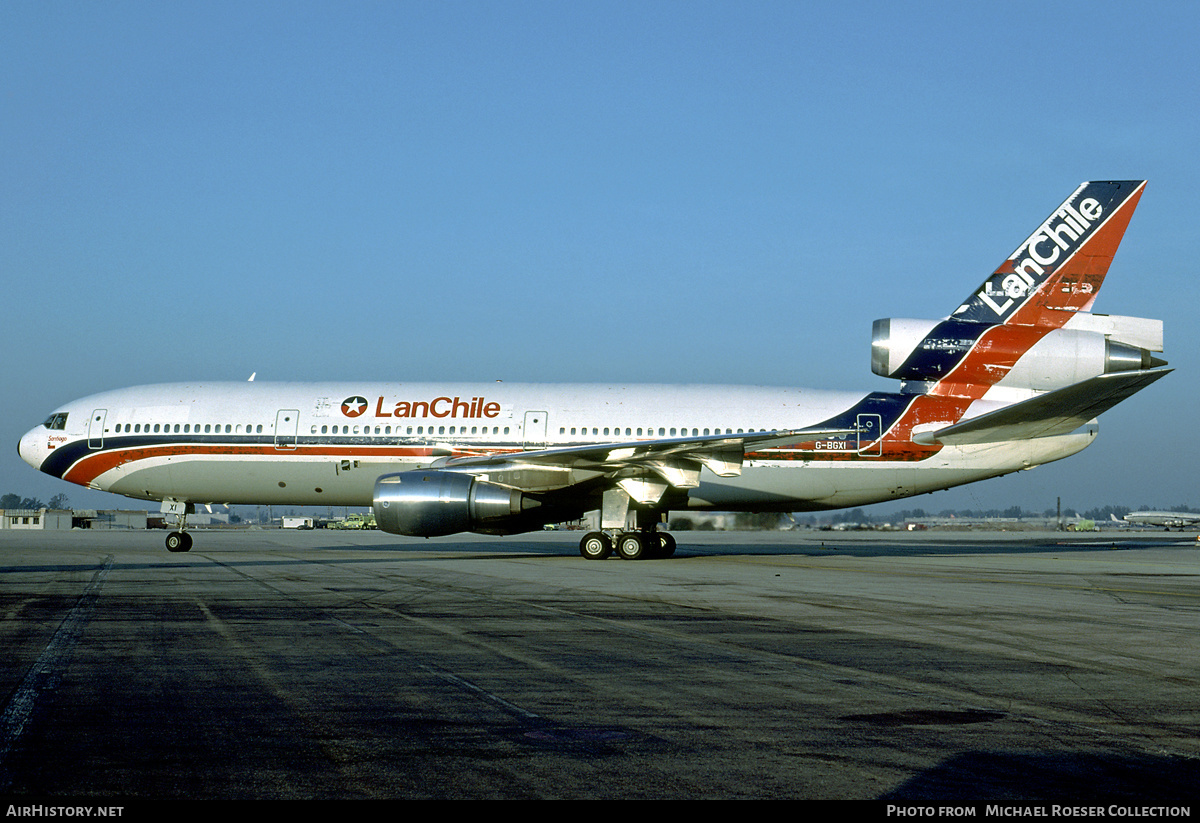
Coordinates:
(1056, 239)
(455, 407)
(354, 406)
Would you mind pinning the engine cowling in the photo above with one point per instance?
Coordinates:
(893, 339)
(1067, 356)
(435, 503)
(1014, 356)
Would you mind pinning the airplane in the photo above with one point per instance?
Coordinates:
(1169, 520)
(1012, 378)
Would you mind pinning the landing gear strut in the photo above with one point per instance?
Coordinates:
(178, 541)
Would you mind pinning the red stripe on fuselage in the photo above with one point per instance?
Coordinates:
(93, 465)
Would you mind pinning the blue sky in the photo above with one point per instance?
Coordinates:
(631, 192)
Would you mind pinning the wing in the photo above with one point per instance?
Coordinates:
(645, 469)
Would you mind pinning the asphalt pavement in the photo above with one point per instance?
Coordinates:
(927, 668)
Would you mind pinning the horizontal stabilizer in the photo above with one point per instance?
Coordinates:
(1052, 413)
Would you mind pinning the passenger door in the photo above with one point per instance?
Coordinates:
(96, 429)
(287, 423)
(533, 434)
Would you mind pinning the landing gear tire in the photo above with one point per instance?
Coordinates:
(179, 541)
(632, 546)
(595, 546)
(666, 544)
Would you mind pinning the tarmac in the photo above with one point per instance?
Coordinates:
(1028, 668)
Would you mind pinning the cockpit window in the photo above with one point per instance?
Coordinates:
(56, 422)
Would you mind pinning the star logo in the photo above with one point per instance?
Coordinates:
(354, 406)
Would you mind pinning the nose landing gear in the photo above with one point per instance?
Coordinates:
(179, 540)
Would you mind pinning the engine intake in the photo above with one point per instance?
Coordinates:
(435, 503)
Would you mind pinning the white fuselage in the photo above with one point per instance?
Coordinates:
(327, 443)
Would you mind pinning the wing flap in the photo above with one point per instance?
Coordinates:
(1057, 412)
(674, 461)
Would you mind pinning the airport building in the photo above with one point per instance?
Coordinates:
(66, 519)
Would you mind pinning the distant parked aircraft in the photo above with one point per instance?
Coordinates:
(1169, 520)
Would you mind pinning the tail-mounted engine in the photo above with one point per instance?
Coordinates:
(1014, 356)
(435, 503)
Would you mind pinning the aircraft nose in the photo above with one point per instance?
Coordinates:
(28, 448)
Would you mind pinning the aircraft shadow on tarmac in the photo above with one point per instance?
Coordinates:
(512, 548)
(810, 545)
(1063, 777)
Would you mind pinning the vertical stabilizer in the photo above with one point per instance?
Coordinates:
(1021, 312)
(1059, 268)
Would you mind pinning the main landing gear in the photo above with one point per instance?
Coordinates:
(627, 545)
